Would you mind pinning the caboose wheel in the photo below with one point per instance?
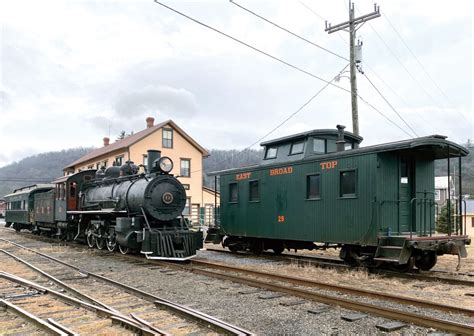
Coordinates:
(426, 260)
(100, 243)
(90, 239)
(111, 243)
(123, 250)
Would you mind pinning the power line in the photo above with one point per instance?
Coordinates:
(391, 106)
(369, 67)
(329, 51)
(422, 66)
(279, 60)
(252, 47)
(288, 31)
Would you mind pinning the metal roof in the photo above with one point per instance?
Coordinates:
(28, 189)
(132, 139)
(316, 132)
(436, 145)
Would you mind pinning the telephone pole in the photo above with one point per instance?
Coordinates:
(352, 26)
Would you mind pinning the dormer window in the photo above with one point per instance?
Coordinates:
(271, 152)
(297, 147)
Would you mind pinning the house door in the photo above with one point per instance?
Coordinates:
(405, 194)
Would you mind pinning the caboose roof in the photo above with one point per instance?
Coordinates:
(433, 147)
(316, 133)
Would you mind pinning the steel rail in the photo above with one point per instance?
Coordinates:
(97, 309)
(338, 263)
(201, 318)
(40, 323)
(337, 288)
(390, 313)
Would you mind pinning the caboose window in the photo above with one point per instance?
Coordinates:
(271, 152)
(297, 147)
(319, 146)
(254, 194)
(347, 183)
(331, 146)
(233, 192)
(167, 138)
(313, 186)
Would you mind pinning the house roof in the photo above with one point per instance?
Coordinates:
(134, 138)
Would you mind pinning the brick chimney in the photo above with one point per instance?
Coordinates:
(150, 121)
(106, 141)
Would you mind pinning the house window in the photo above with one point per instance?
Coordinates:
(104, 163)
(167, 138)
(319, 146)
(297, 147)
(97, 165)
(186, 186)
(119, 160)
(347, 183)
(233, 192)
(187, 207)
(271, 152)
(313, 186)
(253, 191)
(90, 167)
(185, 168)
(145, 160)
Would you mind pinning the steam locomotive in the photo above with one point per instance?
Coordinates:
(113, 208)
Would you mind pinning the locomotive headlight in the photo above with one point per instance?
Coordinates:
(165, 164)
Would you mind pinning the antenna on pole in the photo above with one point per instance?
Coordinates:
(351, 26)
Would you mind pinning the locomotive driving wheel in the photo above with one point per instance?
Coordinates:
(100, 243)
(90, 239)
(123, 250)
(111, 242)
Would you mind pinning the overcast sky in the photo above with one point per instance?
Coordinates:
(73, 72)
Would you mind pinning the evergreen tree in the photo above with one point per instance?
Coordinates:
(443, 220)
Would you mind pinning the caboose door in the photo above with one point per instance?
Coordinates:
(405, 193)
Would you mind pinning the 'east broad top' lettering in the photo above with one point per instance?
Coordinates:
(281, 171)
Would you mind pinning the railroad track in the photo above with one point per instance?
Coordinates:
(281, 284)
(333, 262)
(131, 307)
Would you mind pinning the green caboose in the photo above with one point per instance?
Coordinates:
(319, 189)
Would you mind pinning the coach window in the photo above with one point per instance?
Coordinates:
(297, 147)
(271, 152)
(319, 146)
(313, 186)
(254, 194)
(233, 193)
(347, 183)
(167, 138)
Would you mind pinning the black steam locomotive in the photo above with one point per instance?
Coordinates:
(113, 208)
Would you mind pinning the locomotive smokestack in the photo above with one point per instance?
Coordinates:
(150, 121)
(153, 154)
(106, 141)
(340, 138)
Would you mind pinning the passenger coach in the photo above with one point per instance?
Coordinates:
(376, 202)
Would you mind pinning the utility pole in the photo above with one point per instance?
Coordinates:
(352, 26)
